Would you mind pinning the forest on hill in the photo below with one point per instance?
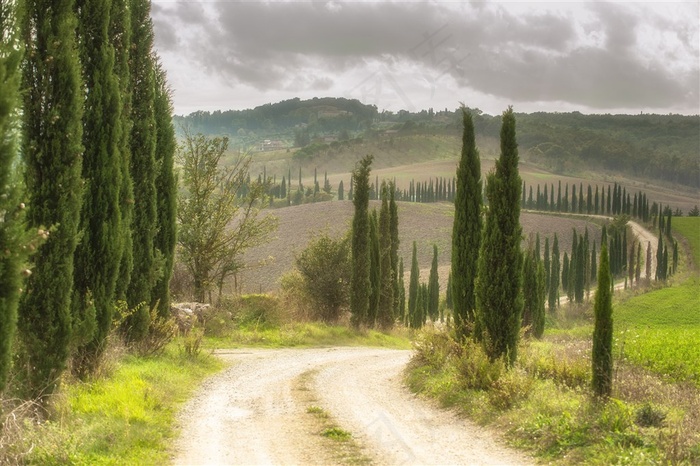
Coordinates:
(646, 146)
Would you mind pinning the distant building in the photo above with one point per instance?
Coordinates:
(269, 144)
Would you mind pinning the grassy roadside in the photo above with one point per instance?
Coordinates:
(127, 417)
(307, 334)
(545, 404)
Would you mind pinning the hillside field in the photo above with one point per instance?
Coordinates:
(427, 224)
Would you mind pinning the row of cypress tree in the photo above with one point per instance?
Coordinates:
(97, 146)
(377, 291)
(617, 202)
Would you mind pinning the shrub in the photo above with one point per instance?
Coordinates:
(161, 331)
(649, 416)
(475, 368)
(435, 349)
(191, 344)
(324, 277)
(510, 388)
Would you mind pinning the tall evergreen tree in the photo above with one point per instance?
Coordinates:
(434, 287)
(52, 149)
(341, 191)
(413, 285)
(385, 317)
(120, 36)
(603, 330)
(565, 266)
(546, 263)
(166, 193)
(99, 253)
(402, 294)
(529, 289)
(466, 230)
(660, 259)
(499, 284)
(13, 238)
(360, 284)
(375, 272)
(143, 169)
(394, 233)
(554, 276)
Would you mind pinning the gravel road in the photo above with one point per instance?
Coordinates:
(252, 413)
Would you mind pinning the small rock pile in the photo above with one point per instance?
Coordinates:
(187, 314)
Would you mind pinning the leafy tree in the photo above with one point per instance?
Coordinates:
(413, 285)
(326, 270)
(603, 330)
(434, 287)
(52, 149)
(387, 285)
(208, 207)
(359, 297)
(466, 230)
(166, 193)
(499, 285)
(98, 254)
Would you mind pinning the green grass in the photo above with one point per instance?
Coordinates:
(689, 228)
(127, 418)
(660, 330)
(304, 335)
(544, 405)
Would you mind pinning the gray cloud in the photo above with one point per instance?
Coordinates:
(519, 56)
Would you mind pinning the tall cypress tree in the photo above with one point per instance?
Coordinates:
(13, 238)
(166, 193)
(529, 289)
(603, 330)
(554, 277)
(402, 294)
(394, 233)
(387, 285)
(143, 168)
(466, 230)
(120, 36)
(98, 255)
(434, 287)
(375, 271)
(547, 264)
(359, 296)
(52, 150)
(499, 284)
(413, 285)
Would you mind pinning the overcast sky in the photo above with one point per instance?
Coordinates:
(593, 57)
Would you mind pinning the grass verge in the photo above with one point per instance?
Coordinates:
(126, 418)
(544, 404)
(307, 334)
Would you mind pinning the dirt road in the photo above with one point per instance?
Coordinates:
(252, 413)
